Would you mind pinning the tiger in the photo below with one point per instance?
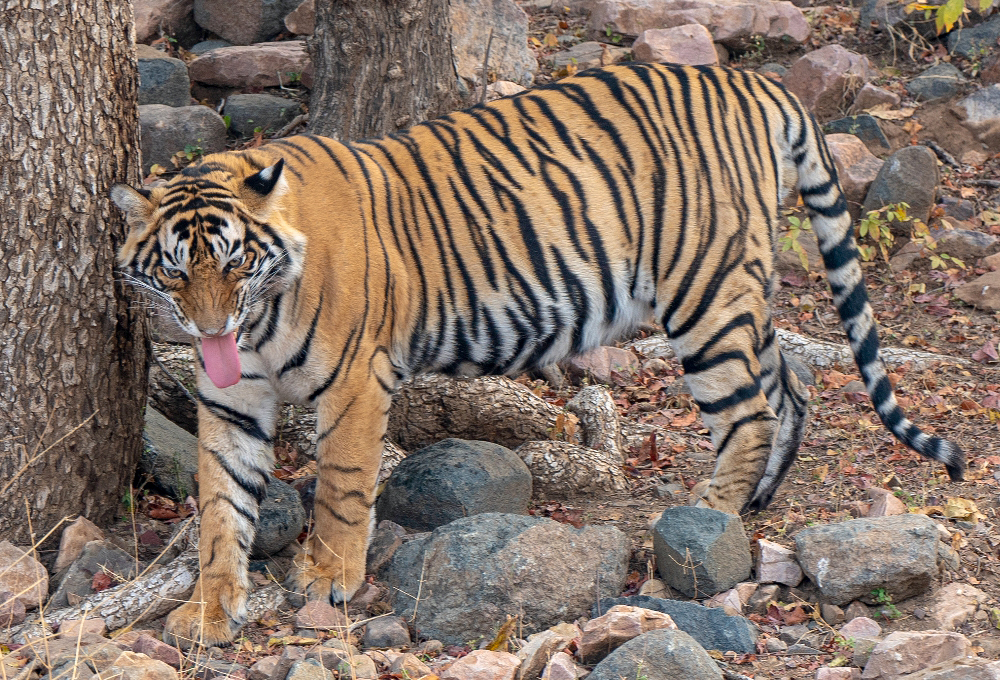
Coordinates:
(493, 240)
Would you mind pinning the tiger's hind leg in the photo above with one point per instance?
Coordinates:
(789, 399)
(724, 375)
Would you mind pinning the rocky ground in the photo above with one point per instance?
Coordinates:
(552, 556)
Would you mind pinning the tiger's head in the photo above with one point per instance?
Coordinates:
(212, 242)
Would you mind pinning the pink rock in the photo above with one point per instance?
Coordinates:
(872, 96)
(691, 44)
(884, 504)
(23, 575)
(154, 18)
(156, 649)
(73, 538)
(12, 610)
(842, 673)
(857, 168)
(302, 20)
(599, 362)
(264, 669)
(540, 648)
(133, 666)
(992, 261)
(71, 628)
(483, 664)
(822, 78)
(777, 564)
(728, 600)
(606, 633)
(906, 652)
(253, 65)
(954, 604)
(982, 292)
(861, 627)
(321, 615)
(731, 21)
(561, 667)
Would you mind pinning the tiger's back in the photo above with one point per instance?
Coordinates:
(490, 241)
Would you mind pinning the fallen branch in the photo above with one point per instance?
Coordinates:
(818, 353)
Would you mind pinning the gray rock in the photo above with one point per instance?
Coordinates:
(886, 14)
(700, 551)
(980, 113)
(849, 560)
(773, 67)
(863, 126)
(940, 80)
(454, 478)
(510, 58)
(266, 112)
(762, 597)
(167, 130)
(199, 49)
(711, 627)
(255, 21)
(967, 245)
(162, 79)
(169, 457)
(959, 208)
(388, 631)
(383, 545)
(307, 669)
(280, 521)
(477, 570)
(97, 556)
(587, 55)
(976, 40)
(910, 175)
(658, 655)
(775, 645)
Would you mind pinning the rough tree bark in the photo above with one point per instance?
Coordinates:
(73, 345)
(381, 66)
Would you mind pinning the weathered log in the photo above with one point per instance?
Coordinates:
(172, 399)
(599, 422)
(430, 408)
(818, 353)
(565, 470)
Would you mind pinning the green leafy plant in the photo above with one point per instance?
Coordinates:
(193, 151)
(886, 607)
(921, 235)
(790, 241)
(874, 228)
(947, 14)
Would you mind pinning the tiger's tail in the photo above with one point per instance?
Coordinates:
(821, 192)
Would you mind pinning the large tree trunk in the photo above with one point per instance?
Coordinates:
(73, 346)
(381, 66)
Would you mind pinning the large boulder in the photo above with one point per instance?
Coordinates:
(472, 21)
(980, 113)
(253, 21)
(852, 560)
(166, 130)
(173, 18)
(22, 575)
(690, 44)
(474, 572)
(823, 78)
(454, 478)
(733, 21)
(268, 64)
(250, 112)
(658, 655)
(162, 79)
(908, 176)
(701, 551)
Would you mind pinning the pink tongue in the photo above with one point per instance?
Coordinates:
(222, 360)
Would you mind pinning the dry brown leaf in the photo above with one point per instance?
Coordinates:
(898, 114)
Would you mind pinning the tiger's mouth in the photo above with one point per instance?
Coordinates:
(222, 359)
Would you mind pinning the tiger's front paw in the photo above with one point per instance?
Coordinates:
(312, 581)
(197, 625)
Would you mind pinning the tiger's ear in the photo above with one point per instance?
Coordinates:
(265, 188)
(134, 203)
